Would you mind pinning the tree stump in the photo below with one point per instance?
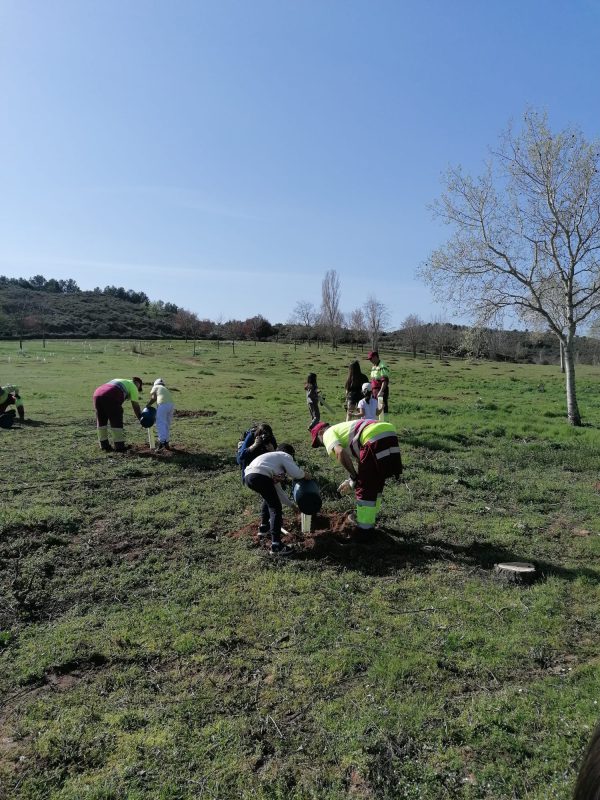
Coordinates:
(519, 572)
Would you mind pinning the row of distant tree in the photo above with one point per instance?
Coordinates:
(47, 307)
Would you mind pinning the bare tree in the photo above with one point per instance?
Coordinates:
(413, 328)
(331, 316)
(377, 318)
(305, 314)
(189, 324)
(526, 235)
(357, 325)
(24, 318)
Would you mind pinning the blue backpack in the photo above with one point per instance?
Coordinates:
(242, 458)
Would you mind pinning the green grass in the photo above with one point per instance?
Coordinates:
(146, 653)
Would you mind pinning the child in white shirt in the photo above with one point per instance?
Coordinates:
(367, 406)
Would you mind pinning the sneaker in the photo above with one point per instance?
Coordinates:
(280, 550)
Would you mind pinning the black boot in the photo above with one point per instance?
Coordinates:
(119, 447)
(105, 445)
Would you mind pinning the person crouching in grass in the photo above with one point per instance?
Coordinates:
(263, 475)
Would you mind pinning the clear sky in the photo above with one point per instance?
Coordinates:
(223, 155)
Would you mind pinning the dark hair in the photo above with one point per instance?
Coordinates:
(588, 780)
(264, 429)
(354, 376)
(287, 448)
(137, 380)
(311, 380)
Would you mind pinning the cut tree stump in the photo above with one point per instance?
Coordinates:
(516, 571)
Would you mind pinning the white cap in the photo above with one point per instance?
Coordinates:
(366, 387)
(159, 382)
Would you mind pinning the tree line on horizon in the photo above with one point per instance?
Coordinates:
(35, 308)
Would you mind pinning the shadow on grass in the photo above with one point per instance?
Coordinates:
(443, 443)
(184, 459)
(384, 552)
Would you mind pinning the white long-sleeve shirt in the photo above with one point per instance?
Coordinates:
(275, 465)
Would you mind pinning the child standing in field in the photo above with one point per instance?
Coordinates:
(165, 408)
(312, 399)
(367, 405)
(353, 386)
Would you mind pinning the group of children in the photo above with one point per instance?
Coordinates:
(265, 465)
(360, 401)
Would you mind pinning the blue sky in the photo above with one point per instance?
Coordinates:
(224, 155)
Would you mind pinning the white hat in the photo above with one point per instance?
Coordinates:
(159, 382)
(366, 387)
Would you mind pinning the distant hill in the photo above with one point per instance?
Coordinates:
(61, 309)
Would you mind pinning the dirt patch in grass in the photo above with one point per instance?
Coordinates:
(143, 451)
(332, 537)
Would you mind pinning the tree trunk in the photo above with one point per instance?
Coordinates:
(572, 407)
(562, 357)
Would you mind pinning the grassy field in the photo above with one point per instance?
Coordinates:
(151, 648)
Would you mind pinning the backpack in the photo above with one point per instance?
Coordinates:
(243, 458)
(247, 440)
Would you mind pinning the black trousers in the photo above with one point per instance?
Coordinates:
(271, 512)
(315, 414)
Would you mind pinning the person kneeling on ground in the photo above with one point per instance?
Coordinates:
(9, 396)
(165, 408)
(108, 404)
(375, 446)
(264, 475)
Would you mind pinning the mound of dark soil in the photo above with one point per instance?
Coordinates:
(332, 536)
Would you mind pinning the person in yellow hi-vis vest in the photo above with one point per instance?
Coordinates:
(374, 445)
(10, 396)
(108, 404)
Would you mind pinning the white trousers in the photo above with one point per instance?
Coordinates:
(164, 418)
